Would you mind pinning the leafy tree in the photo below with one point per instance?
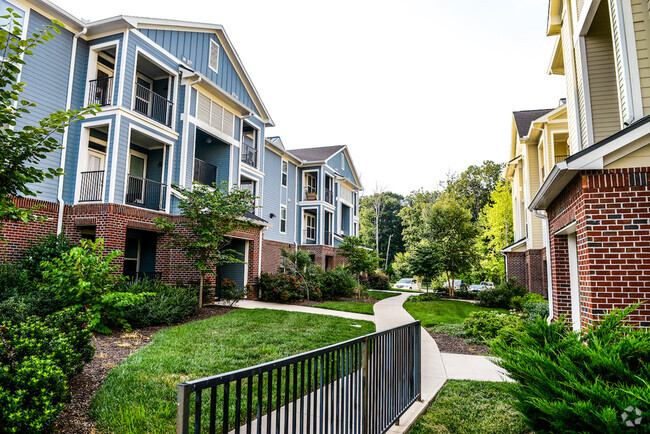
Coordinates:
(424, 260)
(360, 259)
(387, 228)
(209, 215)
(496, 230)
(412, 215)
(450, 229)
(472, 188)
(21, 150)
(299, 262)
(400, 265)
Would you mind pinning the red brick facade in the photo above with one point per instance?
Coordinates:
(529, 268)
(611, 210)
(326, 256)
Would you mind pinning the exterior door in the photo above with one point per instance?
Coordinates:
(137, 181)
(143, 95)
(102, 95)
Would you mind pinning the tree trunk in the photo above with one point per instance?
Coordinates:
(201, 291)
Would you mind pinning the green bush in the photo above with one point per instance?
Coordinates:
(231, 293)
(37, 357)
(485, 326)
(579, 382)
(84, 278)
(168, 305)
(337, 283)
(375, 281)
(424, 297)
(283, 288)
(456, 330)
(465, 294)
(14, 281)
(45, 248)
(501, 295)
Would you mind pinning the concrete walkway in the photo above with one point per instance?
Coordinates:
(252, 304)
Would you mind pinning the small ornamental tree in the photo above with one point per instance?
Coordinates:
(209, 215)
(21, 149)
(424, 260)
(360, 259)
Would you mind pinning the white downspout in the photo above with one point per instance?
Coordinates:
(59, 223)
(626, 64)
(547, 241)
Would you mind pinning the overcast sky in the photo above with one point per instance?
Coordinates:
(415, 88)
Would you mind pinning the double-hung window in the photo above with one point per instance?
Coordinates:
(283, 219)
(285, 170)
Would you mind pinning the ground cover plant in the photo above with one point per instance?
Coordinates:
(140, 394)
(579, 382)
(443, 311)
(464, 406)
(502, 294)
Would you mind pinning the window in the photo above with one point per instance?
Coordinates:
(310, 225)
(214, 56)
(283, 219)
(285, 169)
(215, 115)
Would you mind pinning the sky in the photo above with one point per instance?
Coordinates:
(416, 89)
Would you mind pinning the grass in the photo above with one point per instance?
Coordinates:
(140, 394)
(356, 307)
(472, 407)
(379, 295)
(443, 311)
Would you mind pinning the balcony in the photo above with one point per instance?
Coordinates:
(100, 91)
(310, 193)
(328, 241)
(561, 158)
(309, 236)
(145, 193)
(248, 155)
(204, 172)
(91, 186)
(329, 196)
(153, 105)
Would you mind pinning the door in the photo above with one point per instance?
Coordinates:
(92, 180)
(102, 93)
(143, 95)
(574, 279)
(136, 179)
(310, 226)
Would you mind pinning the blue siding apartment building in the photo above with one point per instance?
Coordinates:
(177, 106)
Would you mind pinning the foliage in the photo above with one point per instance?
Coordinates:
(464, 294)
(400, 265)
(473, 407)
(298, 263)
(14, 280)
(424, 260)
(532, 305)
(21, 149)
(578, 382)
(485, 326)
(360, 259)
(283, 288)
(231, 293)
(496, 225)
(452, 234)
(412, 215)
(375, 281)
(423, 297)
(437, 312)
(44, 249)
(209, 215)
(244, 337)
(84, 278)
(473, 187)
(37, 357)
(456, 330)
(502, 294)
(166, 305)
(336, 283)
(390, 223)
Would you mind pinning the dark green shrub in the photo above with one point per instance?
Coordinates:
(14, 281)
(579, 382)
(484, 326)
(45, 248)
(532, 305)
(284, 288)
(168, 305)
(37, 357)
(465, 294)
(231, 293)
(517, 302)
(424, 297)
(376, 281)
(337, 283)
(501, 295)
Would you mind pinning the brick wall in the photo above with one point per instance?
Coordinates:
(17, 236)
(516, 266)
(529, 268)
(271, 259)
(321, 254)
(611, 209)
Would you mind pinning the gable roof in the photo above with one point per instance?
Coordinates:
(315, 155)
(524, 118)
(276, 141)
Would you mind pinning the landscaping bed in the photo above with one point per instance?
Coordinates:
(110, 351)
(458, 345)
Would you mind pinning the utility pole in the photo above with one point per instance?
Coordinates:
(388, 251)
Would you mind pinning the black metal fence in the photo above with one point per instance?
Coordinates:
(145, 193)
(100, 91)
(91, 186)
(359, 386)
(152, 105)
(204, 172)
(329, 196)
(249, 155)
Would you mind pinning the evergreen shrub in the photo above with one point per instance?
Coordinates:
(501, 295)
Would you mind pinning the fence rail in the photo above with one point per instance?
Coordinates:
(152, 105)
(362, 385)
(560, 158)
(145, 193)
(91, 186)
(100, 91)
(204, 172)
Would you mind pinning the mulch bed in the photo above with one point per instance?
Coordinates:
(110, 350)
(455, 345)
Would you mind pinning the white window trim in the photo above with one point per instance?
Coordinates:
(282, 172)
(257, 144)
(93, 65)
(213, 43)
(314, 173)
(83, 152)
(307, 227)
(283, 207)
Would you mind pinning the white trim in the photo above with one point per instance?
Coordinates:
(586, 92)
(213, 42)
(283, 207)
(632, 62)
(303, 194)
(257, 145)
(171, 73)
(574, 280)
(153, 134)
(246, 252)
(285, 184)
(114, 151)
(92, 64)
(251, 171)
(82, 150)
(212, 130)
(120, 89)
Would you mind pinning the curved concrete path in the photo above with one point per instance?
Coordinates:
(253, 304)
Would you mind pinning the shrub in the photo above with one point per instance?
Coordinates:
(578, 382)
(517, 302)
(424, 297)
(465, 294)
(14, 281)
(337, 283)
(45, 248)
(449, 329)
(167, 305)
(285, 288)
(501, 295)
(37, 357)
(83, 278)
(535, 309)
(375, 281)
(231, 293)
(484, 326)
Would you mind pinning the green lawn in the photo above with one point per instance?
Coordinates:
(443, 311)
(140, 394)
(380, 295)
(356, 307)
(472, 407)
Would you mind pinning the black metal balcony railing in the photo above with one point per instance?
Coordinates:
(309, 236)
(145, 193)
(329, 196)
(204, 172)
(362, 385)
(249, 155)
(311, 193)
(328, 241)
(100, 91)
(152, 105)
(560, 158)
(91, 186)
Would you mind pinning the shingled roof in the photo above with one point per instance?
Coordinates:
(307, 155)
(524, 118)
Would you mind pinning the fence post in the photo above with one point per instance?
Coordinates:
(418, 358)
(183, 409)
(364, 387)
